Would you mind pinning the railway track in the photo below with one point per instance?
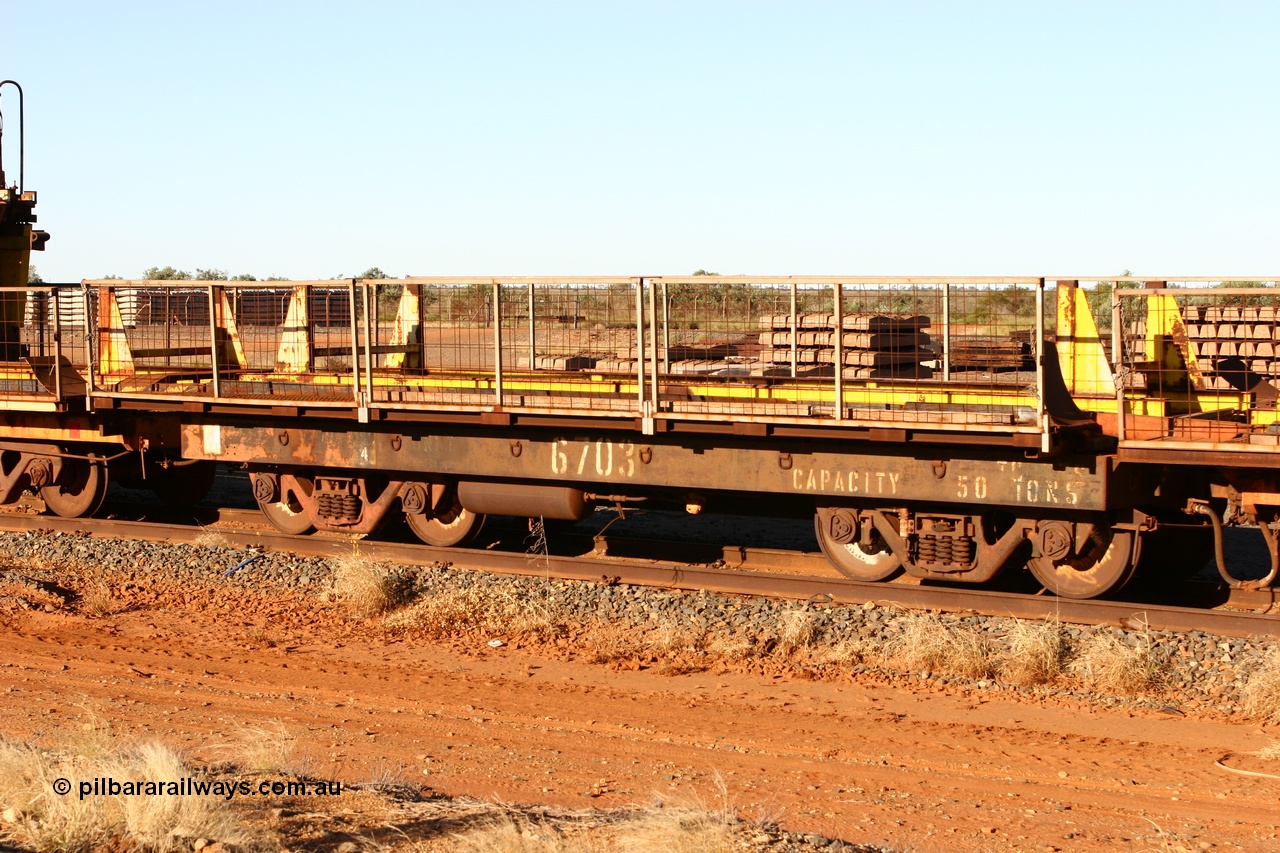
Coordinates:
(765, 572)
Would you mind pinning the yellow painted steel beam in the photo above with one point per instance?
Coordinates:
(115, 358)
(1080, 352)
(1167, 344)
(294, 353)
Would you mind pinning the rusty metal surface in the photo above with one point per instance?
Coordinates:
(862, 473)
(685, 577)
(1185, 453)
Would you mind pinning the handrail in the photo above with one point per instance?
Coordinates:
(22, 132)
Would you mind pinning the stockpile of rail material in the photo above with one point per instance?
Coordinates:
(1237, 340)
(970, 353)
(873, 345)
(723, 358)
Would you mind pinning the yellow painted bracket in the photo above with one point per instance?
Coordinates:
(115, 358)
(294, 353)
(1166, 344)
(230, 350)
(407, 331)
(1080, 352)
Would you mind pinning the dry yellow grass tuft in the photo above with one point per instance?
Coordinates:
(269, 748)
(929, 644)
(847, 652)
(1261, 692)
(1270, 752)
(679, 830)
(1037, 652)
(210, 538)
(607, 643)
(507, 833)
(673, 639)
(97, 599)
(1110, 664)
(796, 630)
(481, 609)
(367, 588)
(691, 827)
(69, 823)
(730, 647)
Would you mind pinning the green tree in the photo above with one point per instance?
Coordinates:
(165, 274)
(33, 277)
(244, 276)
(210, 275)
(1242, 300)
(1099, 298)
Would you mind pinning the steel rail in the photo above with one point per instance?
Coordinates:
(678, 576)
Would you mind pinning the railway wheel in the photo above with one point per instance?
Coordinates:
(79, 489)
(286, 514)
(850, 557)
(450, 525)
(1104, 564)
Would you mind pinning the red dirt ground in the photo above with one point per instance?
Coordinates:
(917, 767)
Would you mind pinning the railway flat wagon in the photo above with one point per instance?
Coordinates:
(443, 400)
(951, 428)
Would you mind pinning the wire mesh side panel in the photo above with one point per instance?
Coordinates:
(153, 338)
(294, 341)
(920, 352)
(540, 344)
(65, 317)
(36, 358)
(431, 344)
(261, 342)
(259, 315)
(1199, 361)
(574, 345)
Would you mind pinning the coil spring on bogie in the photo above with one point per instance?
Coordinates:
(944, 550)
(338, 506)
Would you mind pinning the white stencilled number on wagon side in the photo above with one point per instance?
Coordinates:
(592, 459)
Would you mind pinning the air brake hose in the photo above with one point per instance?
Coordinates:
(1200, 507)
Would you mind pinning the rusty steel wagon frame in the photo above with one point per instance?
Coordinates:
(1196, 369)
(904, 411)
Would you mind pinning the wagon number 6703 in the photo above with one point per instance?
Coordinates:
(599, 458)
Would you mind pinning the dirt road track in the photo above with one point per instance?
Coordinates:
(919, 767)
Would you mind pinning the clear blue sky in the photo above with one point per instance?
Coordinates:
(312, 139)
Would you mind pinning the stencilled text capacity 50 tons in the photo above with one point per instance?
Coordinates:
(1009, 482)
(1013, 485)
